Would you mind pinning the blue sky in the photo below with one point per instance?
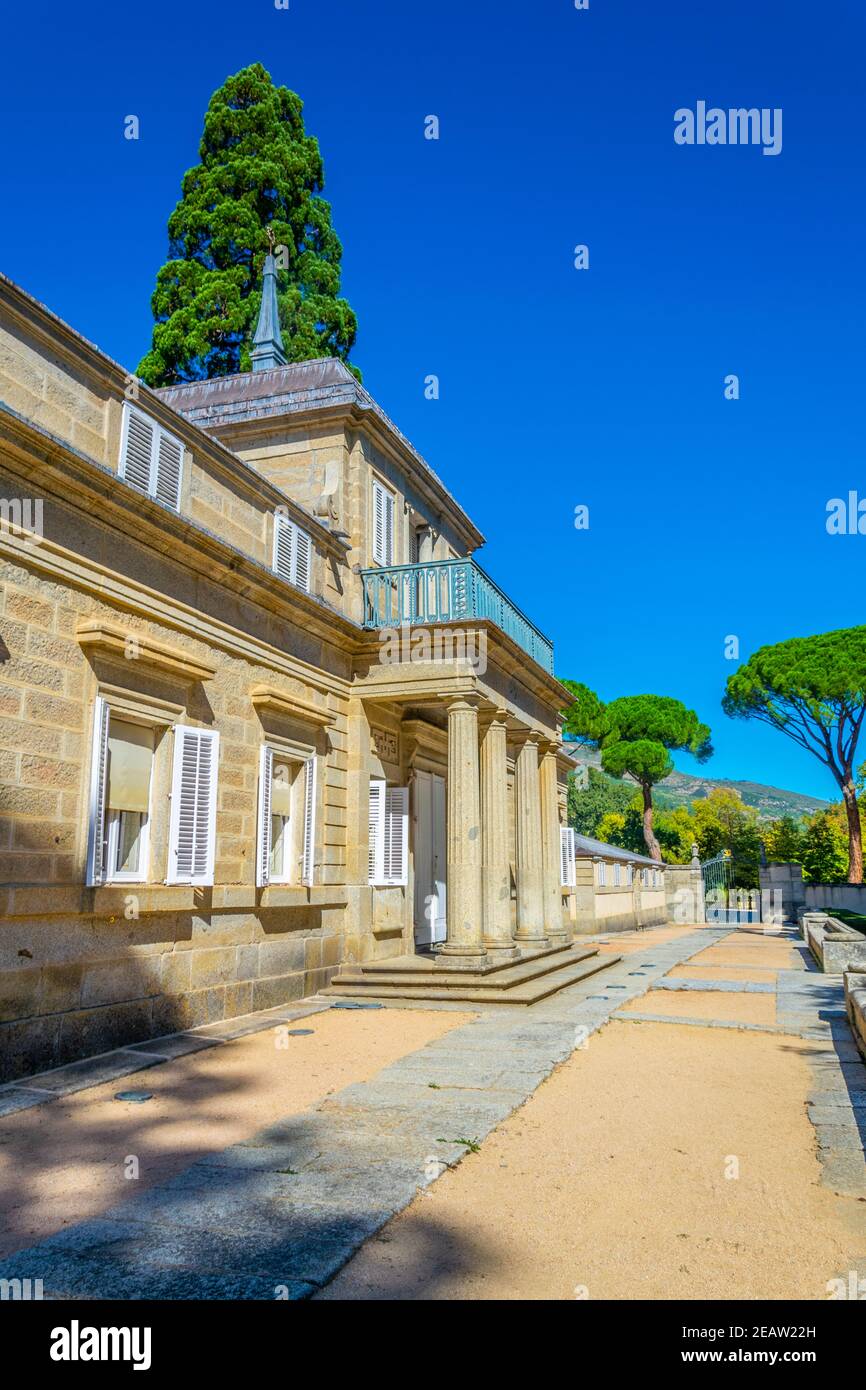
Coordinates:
(558, 387)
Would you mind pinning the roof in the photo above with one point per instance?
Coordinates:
(320, 384)
(587, 848)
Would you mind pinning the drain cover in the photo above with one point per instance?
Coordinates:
(354, 1004)
(137, 1097)
(299, 1032)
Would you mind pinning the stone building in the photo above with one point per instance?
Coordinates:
(262, 714)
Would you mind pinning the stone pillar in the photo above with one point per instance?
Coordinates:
(464, 909)
(684, 892)
(556, 929)
(527, 818)
(495, 871)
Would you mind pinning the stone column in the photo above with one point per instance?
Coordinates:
(527, 818)
(464, 909)
(495, 870)
(555, 928)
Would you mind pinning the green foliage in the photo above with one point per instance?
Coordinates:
(584, 718)
(783, 841)
(723, 821)
(635, 734)
(587, 805)
(825, 849)
(813, 690)
(258, 169)
(674, 830)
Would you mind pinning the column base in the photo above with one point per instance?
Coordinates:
(559, 938)
(460, 957)
(533, 943)
(499, 951)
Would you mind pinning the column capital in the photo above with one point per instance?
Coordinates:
(490, 715)
(462, 702)
(523, 735)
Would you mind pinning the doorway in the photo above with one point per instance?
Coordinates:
(430, 858)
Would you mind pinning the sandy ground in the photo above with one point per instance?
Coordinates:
(731, 1008)
(64, 1161)
(626, 942)
(723, 972)
(748, 949)
(611, 1183)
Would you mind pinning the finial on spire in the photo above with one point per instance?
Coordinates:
(268, 341)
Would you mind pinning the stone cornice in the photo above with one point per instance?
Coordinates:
(266, 697)
(103, 639)
(60, 340)
(76, 479)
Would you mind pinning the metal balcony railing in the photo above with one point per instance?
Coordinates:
(443, 591)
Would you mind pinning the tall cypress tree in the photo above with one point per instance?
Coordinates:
(258, 170)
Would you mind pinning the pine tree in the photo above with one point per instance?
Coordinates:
(258, 170)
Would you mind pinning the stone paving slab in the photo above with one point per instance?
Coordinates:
(722, 986)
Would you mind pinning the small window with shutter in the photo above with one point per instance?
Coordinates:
(192, 828)
(285, 850)
(389, 835)
(121, 776)
(568, 876)
(293, 551)
(151, 459)
(383, 524)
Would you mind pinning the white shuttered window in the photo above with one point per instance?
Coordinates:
(293, 552)
(568, 876)
(151, 459)
(389, 834)
(192, 828)
(383, 524)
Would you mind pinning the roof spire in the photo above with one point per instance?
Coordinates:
(268, 342)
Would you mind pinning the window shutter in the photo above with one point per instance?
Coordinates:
(192, 830)
(376, 865)
(383, 525)
(572, 859)
(137, 449)
(169, 466)
(293, 552)
(284, 546)
(563, 855)
(263, 858)
(309, 819)
(303, 558)
(98, 784)
(396, 846)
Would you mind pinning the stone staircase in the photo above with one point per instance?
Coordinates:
(426, 978)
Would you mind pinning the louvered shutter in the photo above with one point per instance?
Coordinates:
(572, 859)
(309, 820)
(192, 830)
(383, 525)
(263, 855)
(98, 784)
(563, 855)
(136, 455)
(396, 839)
(303, 558)
(284, 547)
(377, 830)
(169, 466)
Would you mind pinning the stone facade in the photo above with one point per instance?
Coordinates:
(172, 618)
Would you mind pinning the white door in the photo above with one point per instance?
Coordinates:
(429, 854)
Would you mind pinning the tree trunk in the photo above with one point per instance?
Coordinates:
(855, 847)
(652, 843)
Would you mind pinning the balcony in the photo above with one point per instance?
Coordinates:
(445, 591)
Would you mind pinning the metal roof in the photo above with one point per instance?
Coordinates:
(587, 848)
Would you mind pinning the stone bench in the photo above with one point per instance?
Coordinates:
(855, 1003)
(835, 946)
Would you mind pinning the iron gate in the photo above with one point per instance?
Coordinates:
(726, 902)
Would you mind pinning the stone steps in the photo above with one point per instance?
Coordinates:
(521, 982)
